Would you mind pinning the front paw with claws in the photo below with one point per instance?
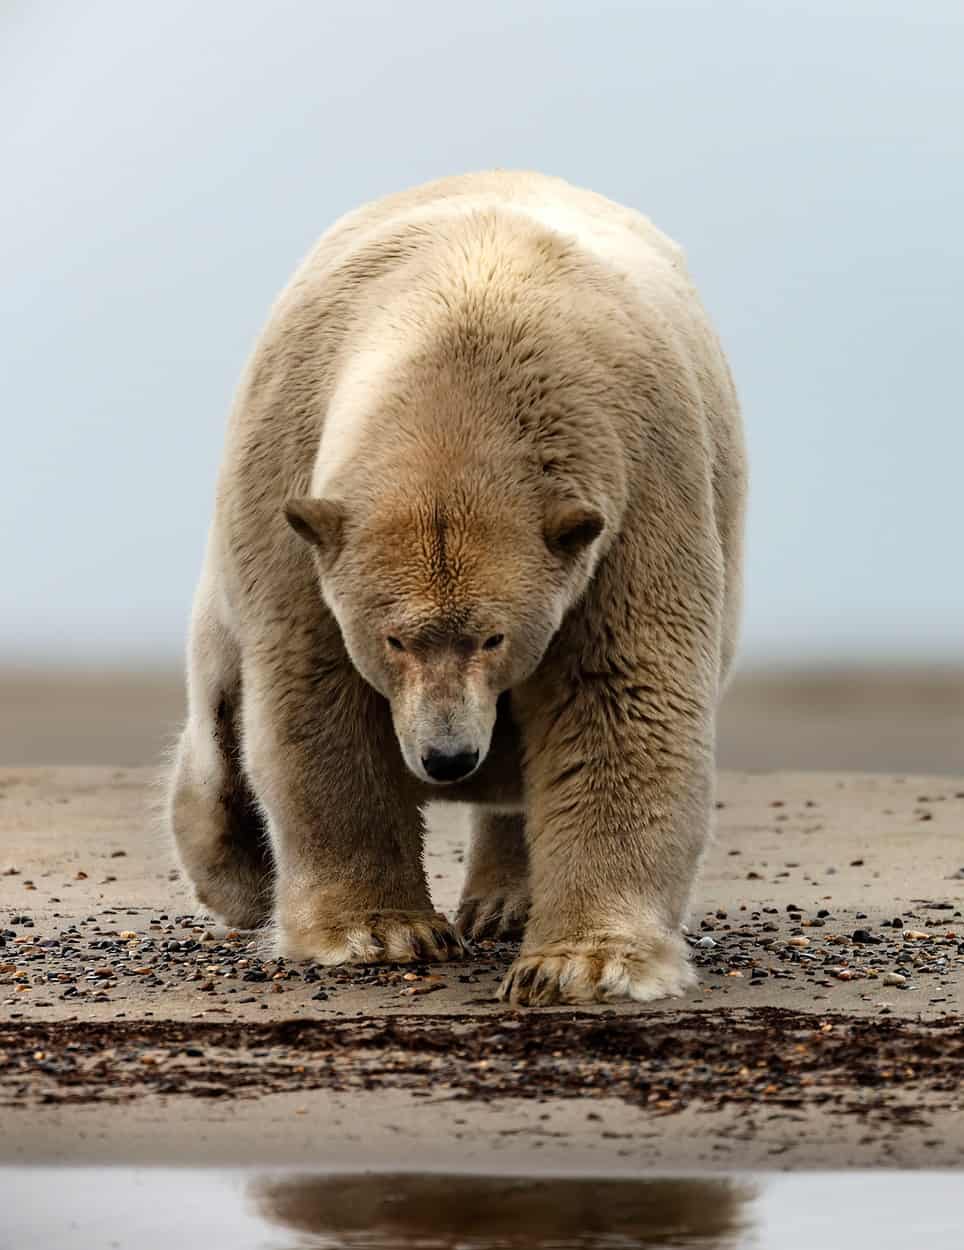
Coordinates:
(393, 937)
(599, 970)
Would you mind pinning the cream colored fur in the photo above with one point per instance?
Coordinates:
(482, 493)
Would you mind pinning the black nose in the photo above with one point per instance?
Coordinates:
(441, 766)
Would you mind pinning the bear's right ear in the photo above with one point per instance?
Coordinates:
(319, 522)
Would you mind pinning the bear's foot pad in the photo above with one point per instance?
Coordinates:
(390, 937)
(493, 917)
(601, 970)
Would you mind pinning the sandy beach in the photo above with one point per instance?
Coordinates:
(826, 1030)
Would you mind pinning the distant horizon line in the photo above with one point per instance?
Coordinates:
(753, 665)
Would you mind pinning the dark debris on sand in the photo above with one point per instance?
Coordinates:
(766, 1057)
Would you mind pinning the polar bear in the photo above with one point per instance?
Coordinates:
(477, 538)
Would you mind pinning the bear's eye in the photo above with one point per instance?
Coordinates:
(395, 643)
(496, 640)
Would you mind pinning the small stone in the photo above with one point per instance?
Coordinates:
(706, 942)
(424, 988)
(798, 941)
(894, 978)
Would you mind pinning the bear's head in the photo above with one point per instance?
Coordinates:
(444, 604)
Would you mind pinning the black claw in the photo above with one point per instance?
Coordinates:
(465, 920)
(545, 991)
(484, 928)
(525, 978)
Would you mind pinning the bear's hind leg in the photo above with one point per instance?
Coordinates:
(495, 897)
(217, 825)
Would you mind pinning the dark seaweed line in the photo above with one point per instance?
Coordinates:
(774, 1057)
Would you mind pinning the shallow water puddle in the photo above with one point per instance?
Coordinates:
(151, 1208)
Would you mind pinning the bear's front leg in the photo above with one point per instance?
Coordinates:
(619, 777)
(344, 820)
(618, 817)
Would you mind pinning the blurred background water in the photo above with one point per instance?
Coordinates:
(165, 167)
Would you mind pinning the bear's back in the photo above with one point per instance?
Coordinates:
(368, 300)
(620, 237)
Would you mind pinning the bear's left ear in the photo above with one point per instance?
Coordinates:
(571, 527)
(319, 522)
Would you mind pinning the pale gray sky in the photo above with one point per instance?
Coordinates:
(164, 167)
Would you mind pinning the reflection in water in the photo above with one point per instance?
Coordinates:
(476, 1212)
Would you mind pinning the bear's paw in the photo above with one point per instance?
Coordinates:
(599, 970)
(391, 937)
(499, 917)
